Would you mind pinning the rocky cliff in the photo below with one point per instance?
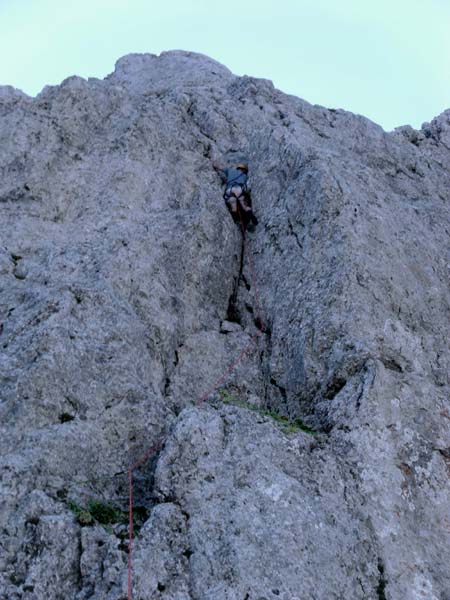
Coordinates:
(319, 468)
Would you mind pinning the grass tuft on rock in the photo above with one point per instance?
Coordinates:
(97, 512)
(287, 425)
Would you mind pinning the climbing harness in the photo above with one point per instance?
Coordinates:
(235, 188)
(236, 191)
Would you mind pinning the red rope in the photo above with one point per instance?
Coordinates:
(200, 401)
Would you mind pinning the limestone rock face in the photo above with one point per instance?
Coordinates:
(126, 301)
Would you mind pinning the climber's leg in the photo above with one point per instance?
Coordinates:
(248, 212)
(232, 207)
(244, 204)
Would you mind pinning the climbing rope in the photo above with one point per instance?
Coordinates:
(158, 445)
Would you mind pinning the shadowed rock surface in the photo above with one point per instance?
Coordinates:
(118, 277)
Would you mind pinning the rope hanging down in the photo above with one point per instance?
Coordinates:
(158, 445)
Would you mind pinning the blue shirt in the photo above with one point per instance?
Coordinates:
(232, 176)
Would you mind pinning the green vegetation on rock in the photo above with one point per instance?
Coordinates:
(287, 425)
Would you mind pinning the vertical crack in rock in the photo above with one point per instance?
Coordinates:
(233, 313)
(381, 595)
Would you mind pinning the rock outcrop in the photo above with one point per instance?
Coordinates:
(320, 468)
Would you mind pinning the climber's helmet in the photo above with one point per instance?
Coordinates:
(242, 167)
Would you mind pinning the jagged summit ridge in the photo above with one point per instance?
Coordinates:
(147, 73)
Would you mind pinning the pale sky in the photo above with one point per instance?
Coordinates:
(386, 59)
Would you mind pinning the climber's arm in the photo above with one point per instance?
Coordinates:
(223, 173)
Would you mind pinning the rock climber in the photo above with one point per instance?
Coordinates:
(237, 194)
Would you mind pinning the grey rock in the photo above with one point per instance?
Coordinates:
(123, 316)
(238, 479)
(20, 271)
(229, 327)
